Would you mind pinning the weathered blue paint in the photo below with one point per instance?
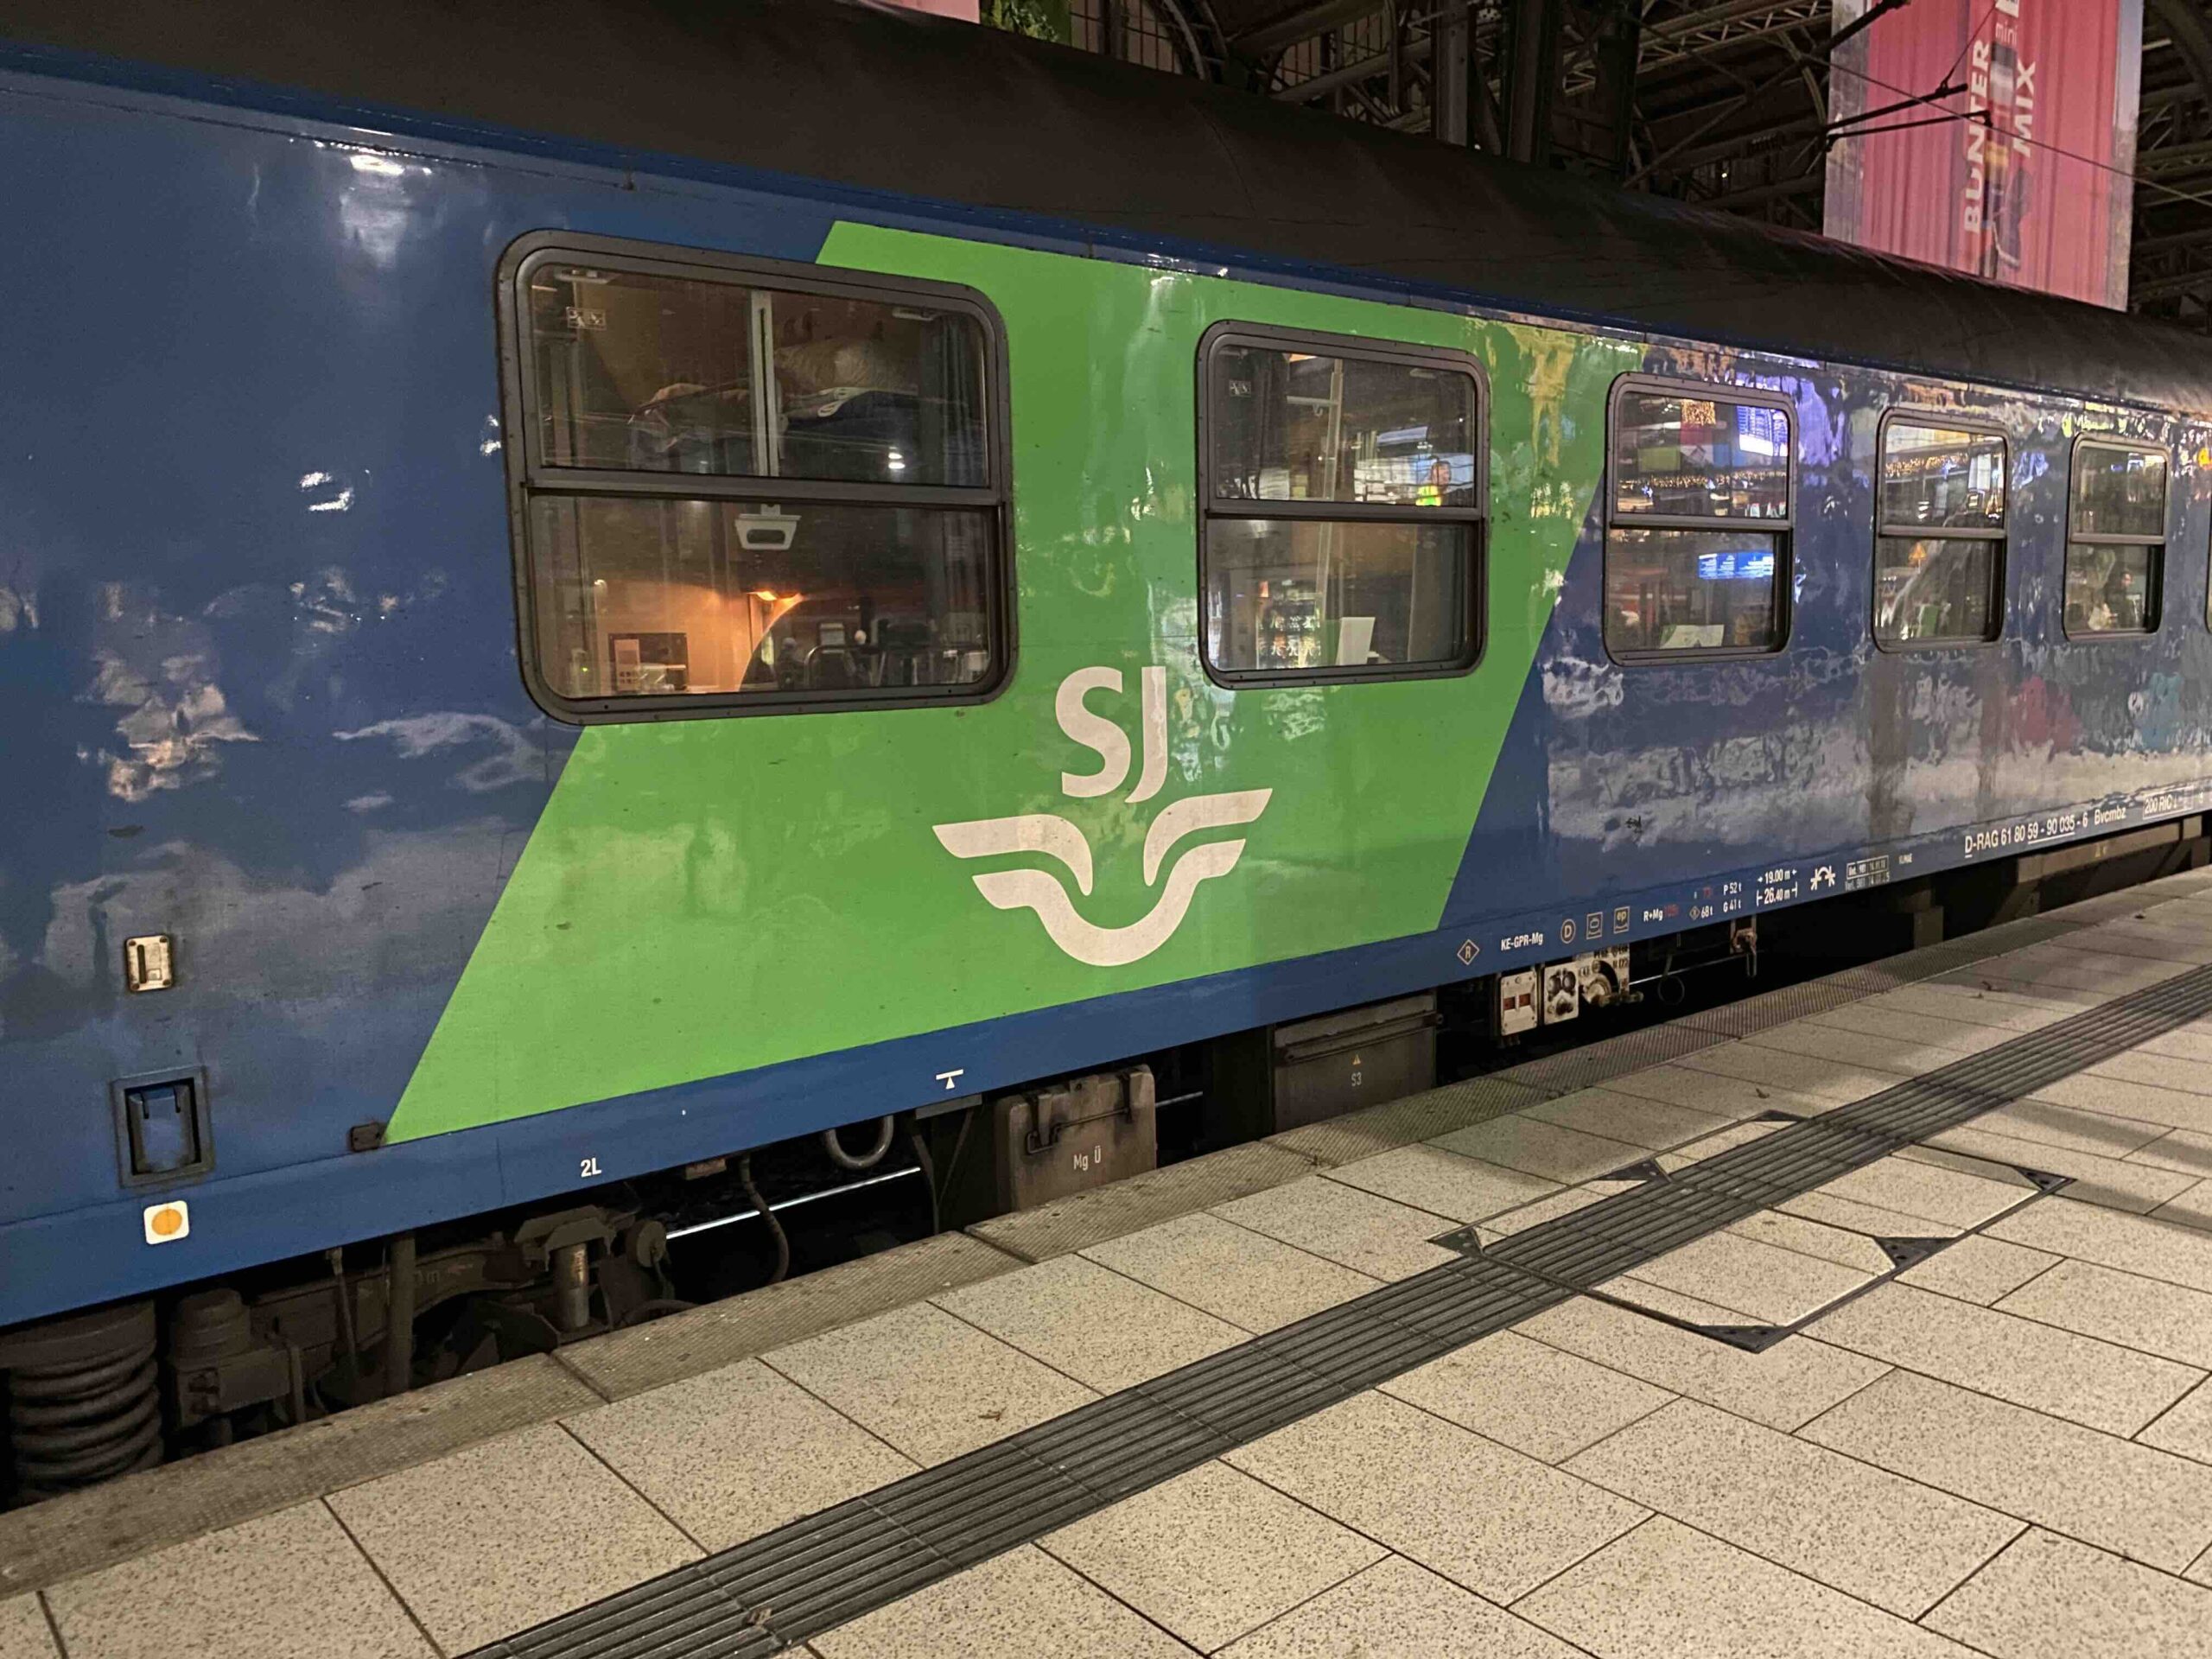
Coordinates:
(1683, 776)
(259, 671)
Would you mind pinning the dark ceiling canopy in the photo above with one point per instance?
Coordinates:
(893, 100)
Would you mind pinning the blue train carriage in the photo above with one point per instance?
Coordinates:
(562, 625)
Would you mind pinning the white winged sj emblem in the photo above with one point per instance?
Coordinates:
(1046, 891)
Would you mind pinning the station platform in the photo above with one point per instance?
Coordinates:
(1868, 1316)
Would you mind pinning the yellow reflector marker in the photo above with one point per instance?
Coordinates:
(167, 1222)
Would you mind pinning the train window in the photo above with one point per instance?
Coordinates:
(677, 597)
(1939, 545)
(2115, 539)
(1344, 497)
(751, 488)
(1698, 521)
(644, 372)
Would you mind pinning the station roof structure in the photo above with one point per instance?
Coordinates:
(1720, 103)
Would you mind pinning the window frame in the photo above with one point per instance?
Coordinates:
(1268, 337)
(1784, 530)
(1915, 415)
(531, 478)
(2156, 599)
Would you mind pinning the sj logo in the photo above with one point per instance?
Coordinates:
(1047, 833)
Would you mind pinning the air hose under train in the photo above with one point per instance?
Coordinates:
(868, 1159)
(751, 1191)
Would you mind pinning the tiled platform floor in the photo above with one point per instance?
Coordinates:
(2006, 1450)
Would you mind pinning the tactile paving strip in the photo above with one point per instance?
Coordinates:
(761, 1596)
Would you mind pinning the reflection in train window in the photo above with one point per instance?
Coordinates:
(1285, 594)
(1690, 590)
(1677, 455)
(2115, 539)
(661, 572)
(1343, 503)
(1939, 548)
(666, 597)
(653, 373)
(1697, 545)
(1298, 426)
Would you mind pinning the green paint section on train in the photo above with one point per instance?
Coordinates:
(703, 897)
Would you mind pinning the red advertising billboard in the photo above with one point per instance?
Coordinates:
(1995, 136)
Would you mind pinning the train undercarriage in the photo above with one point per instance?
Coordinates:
(93, 1395)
